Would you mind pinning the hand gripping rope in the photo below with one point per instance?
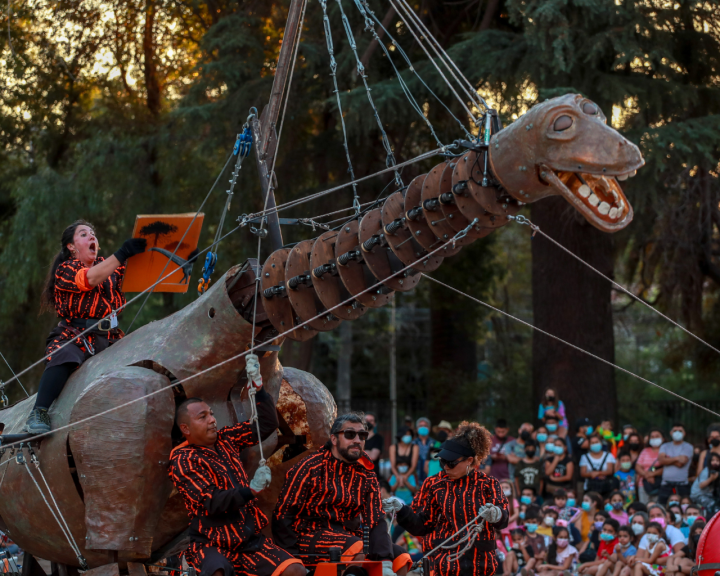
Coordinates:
(252, 366)
(242, 148)
(474, 529)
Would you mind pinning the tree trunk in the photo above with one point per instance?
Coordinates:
(572, 302)
(152, 82)
(343, 386)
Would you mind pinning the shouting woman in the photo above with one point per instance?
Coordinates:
(454, 498)
(83, 288)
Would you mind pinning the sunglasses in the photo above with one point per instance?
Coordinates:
(450, 464)
(351, 434)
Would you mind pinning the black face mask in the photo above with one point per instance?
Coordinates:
(634, 446)
(696, 538)
(525, 435)
(550, 398)
(530, 453)
(715, 442)
(441, 436)
(714, 466)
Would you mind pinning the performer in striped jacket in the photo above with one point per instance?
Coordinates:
(328, 498)
(452, 499)
(225, 522)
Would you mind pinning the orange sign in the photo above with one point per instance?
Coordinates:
(163, 233)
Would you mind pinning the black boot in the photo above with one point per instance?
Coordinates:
(38, 422)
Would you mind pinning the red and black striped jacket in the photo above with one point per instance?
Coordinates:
(443, 506)
(324, 493)
(215, 487)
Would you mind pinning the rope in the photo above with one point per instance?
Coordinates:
(389, 156)
(197, 213)
(462, 102)
(468, 88)
(2, 388)
(536, 229)
(472, 534)
(678, 396)
(369, 17)
(449, 242)
(74, 338)
(63, 526)
(333, 73)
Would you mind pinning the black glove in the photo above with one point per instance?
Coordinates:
(129, 248)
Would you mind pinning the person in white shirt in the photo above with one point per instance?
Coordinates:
(560, 554)
(597, 467)
(674, 536)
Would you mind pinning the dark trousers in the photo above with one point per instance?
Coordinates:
(667, 489)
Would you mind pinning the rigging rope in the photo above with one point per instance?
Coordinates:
(450, 242)
(678, 396)
(333, 74)
(536, 229)
(369, 16)
(469, 89)
(389, 156)
(417, 39)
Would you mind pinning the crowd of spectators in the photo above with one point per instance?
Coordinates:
(586, 500)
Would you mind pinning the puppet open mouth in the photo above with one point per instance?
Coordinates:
(598, 197)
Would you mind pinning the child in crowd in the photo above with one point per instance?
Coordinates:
(684, 563)
(552, 405)
(625, 475)
(692, 513)
(607, 539)
(529, 472)
(521, 554)
(624, 550)
(614, 507)
(657, 549)
(527, 496)
(561, 554)
(508, 489)
(564, 510)
(537, 541)
(550, 517)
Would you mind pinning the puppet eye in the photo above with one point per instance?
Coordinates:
(562, 123)
(590, 108)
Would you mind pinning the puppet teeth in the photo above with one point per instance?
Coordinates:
(613, 213)
(622, 177)
(584, 191)
(594, 200)
(604, 208)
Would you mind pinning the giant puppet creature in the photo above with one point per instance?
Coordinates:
(109, 475)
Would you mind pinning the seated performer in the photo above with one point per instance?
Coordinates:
(329, 496)
(452, 499)
(82, 287)
(225, 522)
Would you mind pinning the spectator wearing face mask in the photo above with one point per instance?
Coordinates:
(648, 467)
(633, 446)
(443, 431)
(375, 443)
(561, 554)
(675, 458)
(615, 508)
(498, 457)
(528, 472)
(684, 563)
(532, 523)
(676, 519)
(713, 446)
(552, 405)
(581, 441)
(508, 488)
(598, 467)
(627, 430)
(564, 510)
(609, 439)
(653, 552)
(515, 449)
(675, 538)
(558, 468)
(591, 505)
(424, 444)
(706, 489)
(608, 540)
(690, 516)
(403, 463)
(549, 520)
(638, 523)
(553, 426)
(625, 476)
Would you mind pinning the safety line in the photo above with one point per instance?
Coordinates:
(197, 213)
(458, 236)
(411, 66)
(13, 373)
(88, 330)
(469, 88)
(541, 331)
(432, 60)
(536, 229)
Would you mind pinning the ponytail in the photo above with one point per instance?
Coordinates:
(68, 236)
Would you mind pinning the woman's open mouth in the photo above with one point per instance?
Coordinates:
(93, 248)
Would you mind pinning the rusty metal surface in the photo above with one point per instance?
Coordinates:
(329, 287)
(453, 216)
(421, 229)
(378, 259)
(467, 204)
(531, 146)
(355, 275)
(402, 243)
(304, 299)
(435, 218)
(279, 309)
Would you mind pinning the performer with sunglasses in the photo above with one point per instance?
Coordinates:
(453, 498)
(328, 498)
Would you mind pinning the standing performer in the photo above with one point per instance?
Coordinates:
(225, 522)
(83, 288)
(329, 496)
(453, 499)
